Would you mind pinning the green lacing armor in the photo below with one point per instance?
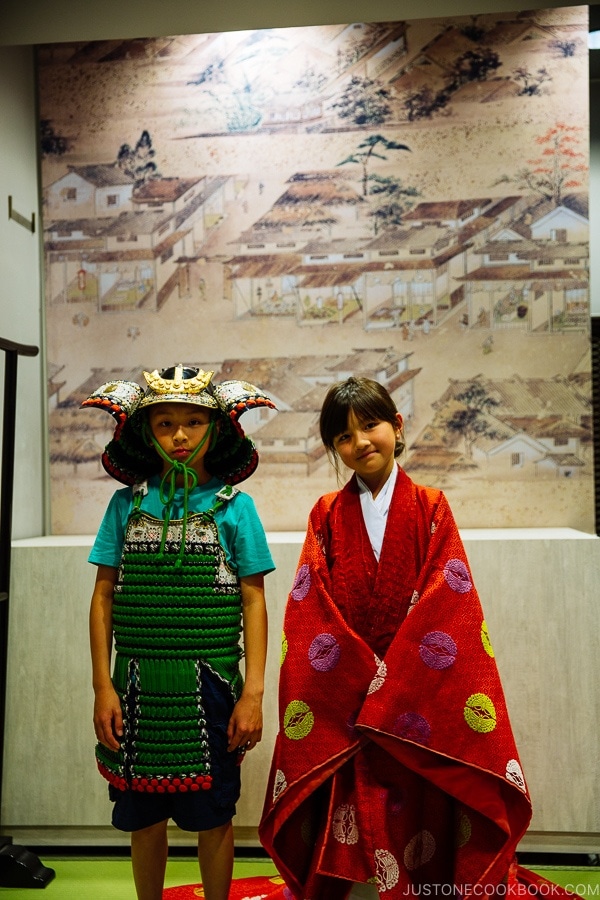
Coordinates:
(173, 612)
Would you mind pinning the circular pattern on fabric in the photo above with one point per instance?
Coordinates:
(485, 639)
(387, 870)
(437, 650)
(344, 827)
(279, 785)
(392, 799)
(464, 830)
(413, 601)
(284, 649)
(351, 723)
(514, 773)
(380, 676)
(301, 585)
(419, 850)
(298, 720)
(324, 652)
(480, 713)
(413, 727)
(308, 832)
(457, 576)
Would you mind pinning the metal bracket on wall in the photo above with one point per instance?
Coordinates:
(29, 224)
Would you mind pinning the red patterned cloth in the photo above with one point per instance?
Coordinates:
(522, 886)
(257, 887)
(395, 762)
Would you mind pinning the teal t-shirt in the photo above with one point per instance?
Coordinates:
(241, 533)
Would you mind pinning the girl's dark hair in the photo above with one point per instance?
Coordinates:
(366, 398)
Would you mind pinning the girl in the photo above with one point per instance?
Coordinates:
(395, 768)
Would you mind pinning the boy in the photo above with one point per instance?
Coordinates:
(181, 558)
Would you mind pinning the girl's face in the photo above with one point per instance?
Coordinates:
(367, 447)
(179, 428)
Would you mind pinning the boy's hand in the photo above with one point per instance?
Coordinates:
(245, 725)
(108, 720)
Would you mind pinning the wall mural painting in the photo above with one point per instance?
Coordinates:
(406, 200)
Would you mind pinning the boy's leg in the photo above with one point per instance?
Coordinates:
(149, 851)
(215, 855)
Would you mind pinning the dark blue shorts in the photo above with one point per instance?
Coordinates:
(191, 811)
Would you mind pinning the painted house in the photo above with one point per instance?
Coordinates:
(332, 191)
(500, 213)
(291, 437)
(514, 457)
(296, 384)
(534, 274)
(270, 241)
(77, 436)
(521, 439)
(262, 285)
(448, 213)
(135, 266)
(167, 194)
(139, 257)
(524, 457)
(484, 252)
(290, 109)
(415, 278)
(88, 192)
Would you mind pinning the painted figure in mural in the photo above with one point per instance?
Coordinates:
(395, 764)
(181, 557)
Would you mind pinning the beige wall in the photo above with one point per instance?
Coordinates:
(20, 285)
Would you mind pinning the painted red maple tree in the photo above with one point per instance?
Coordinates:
(561, 166)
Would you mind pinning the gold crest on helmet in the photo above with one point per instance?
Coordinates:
(178, 384)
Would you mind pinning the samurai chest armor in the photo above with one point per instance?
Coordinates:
(174, 613)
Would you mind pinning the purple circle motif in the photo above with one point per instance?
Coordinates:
(301, 584)
(351, 722)
(391, 798)
(437, 650)
(457, 576)
(324, 652)
(413, 727)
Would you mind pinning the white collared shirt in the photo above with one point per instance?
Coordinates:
(375, 511)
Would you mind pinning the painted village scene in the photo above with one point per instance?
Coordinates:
(402, 200)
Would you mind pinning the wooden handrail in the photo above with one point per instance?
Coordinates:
(19, 349)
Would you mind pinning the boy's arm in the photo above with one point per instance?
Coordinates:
(246, 723)
(108, 721)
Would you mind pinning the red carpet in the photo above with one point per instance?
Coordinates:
(528, 885)
(255, 888)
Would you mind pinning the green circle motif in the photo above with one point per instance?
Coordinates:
(485, 639)
(298, 720)
(480, 713)
(464, 831)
